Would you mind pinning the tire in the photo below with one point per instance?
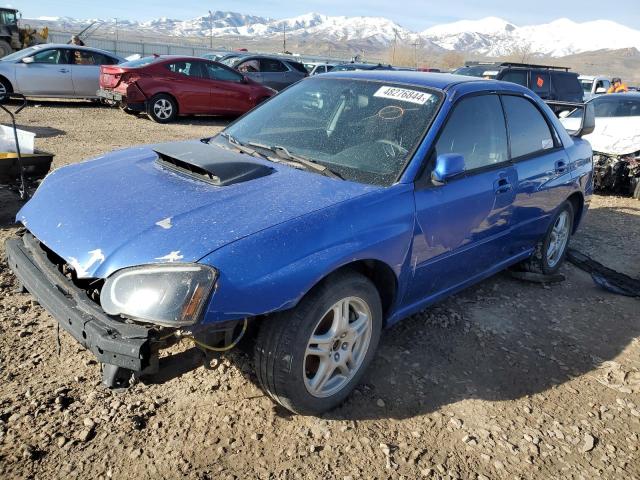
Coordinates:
(5, 48)
(289, 366)
(546, 259)
(5, 87)
(162, 108)
(635, 188)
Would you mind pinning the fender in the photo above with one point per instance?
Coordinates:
(273, 269)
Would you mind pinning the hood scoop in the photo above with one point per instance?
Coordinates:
(209, 163)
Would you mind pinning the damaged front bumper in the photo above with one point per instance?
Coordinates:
(617, 173)
(113, 342)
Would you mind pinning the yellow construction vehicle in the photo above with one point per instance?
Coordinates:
(14, 37)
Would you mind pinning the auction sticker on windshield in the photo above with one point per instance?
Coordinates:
(403, 94)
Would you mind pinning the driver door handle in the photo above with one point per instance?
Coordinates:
(64, 70)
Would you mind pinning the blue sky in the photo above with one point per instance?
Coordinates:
(414, 14)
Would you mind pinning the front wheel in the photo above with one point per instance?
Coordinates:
(162, 108)
(551, 250)
(311, 357)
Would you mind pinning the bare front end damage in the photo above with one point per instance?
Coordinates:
(124, 347)
(619, 174)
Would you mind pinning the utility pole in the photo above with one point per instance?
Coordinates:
(415, 52)
(211, 27)
(284, 38)
(395, 41)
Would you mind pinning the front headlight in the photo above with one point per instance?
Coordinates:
(168, 295)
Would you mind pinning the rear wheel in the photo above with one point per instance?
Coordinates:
(162, 108)
(311, 357)
(5, 89)
(551, 250)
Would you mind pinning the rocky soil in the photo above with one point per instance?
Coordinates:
(506, 380)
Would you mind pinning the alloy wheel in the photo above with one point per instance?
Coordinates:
(337, 347)
(163, 109)
(558, 239)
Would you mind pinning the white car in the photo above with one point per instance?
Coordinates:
(594, 85)
(57, 71)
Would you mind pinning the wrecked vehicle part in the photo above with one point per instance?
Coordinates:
(604, 277)
(618, 174)
(116, 342)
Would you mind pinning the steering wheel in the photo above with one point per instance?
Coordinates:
(396, 149)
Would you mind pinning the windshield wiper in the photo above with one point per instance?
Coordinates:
(242, 147)
(294, 159)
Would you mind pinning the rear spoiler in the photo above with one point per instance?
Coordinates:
(575, 126)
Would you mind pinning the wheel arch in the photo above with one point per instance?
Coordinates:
(8, 82)
(577, 202)
(381, 275)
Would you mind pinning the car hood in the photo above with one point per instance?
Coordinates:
(612, 135)
(125, 208)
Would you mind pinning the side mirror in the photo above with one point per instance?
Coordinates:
(601, 90)
(586, 124)
(27, 60)
(245, 79)
(448, 165)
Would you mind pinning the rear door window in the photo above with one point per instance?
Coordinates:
(476, 130)
(515, 76)
(189, 69)
(529, 132)
(540, 83)
(218, 72)
(269, 65)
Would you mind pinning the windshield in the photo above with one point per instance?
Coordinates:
(586, 85)
(365, 131)
(19, 54)
(613, 106)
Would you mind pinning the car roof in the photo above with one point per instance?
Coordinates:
(440, 81)
(246, 56)
(42, 46)
(620, 96)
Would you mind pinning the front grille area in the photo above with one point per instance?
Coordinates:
(91, 286)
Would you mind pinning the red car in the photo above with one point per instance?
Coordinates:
(164, 87)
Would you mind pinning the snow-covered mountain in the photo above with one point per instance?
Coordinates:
(490, 36)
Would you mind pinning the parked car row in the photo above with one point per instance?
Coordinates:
(164, 87)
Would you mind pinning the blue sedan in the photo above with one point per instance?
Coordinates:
(342, 205)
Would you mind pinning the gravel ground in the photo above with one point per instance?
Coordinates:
(506, 380)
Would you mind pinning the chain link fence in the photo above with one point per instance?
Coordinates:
(125, 48)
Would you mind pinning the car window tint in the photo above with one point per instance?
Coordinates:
(54, 55)
(528, 130)
(87, 57)
(605, 106)
(270, 65)
(298, 66)
(190, 69)
(249, 66)
(540, 82)
(217, 72)
(515, 76)
(567, 82)
(628, 108)
(476, 130)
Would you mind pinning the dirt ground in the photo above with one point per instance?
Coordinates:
(506, 380)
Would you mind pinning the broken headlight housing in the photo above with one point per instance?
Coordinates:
(167, 295)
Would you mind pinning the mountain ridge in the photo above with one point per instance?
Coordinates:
(490, 36)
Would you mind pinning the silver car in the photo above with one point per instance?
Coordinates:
(51, 70)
